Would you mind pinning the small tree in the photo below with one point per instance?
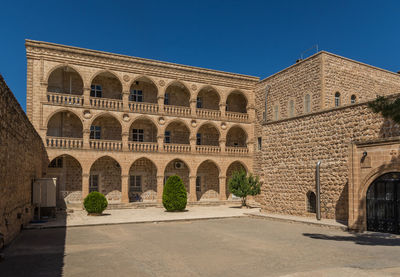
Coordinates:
(242, 185)
(388, 108)
(174, 194)
(95, 203)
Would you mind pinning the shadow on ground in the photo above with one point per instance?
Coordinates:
(361, 239)
(36, 253)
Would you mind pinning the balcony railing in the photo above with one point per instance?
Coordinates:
(213, 114)
(61, 142)
(138, 107)
(143, 146)
(237, 116)
(237, 150)
(208, 149)
(170, 147)
(106, 103)
(177, 110)
(106, 145)
(65, 99)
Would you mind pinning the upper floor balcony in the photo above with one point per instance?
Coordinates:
(105, 133)
(65, 87)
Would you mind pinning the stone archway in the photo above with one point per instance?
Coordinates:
(235, 166)
(383, 204)
(143, 181)
(207, 181)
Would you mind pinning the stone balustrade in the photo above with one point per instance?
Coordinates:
(211, 114)
(236, 150)
(177, 110)
(106, 103)
(208, 149)
(105, 145)
(61, 142)
(140, 107)
(143, 146)
(170, 147)
(234, 116)
(64, 99)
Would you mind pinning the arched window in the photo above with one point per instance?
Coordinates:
(307, 103)
(337, 99)
(276, 112)
(311, 202)
(353, 99)
(291, 108)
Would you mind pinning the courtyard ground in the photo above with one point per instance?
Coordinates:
(217, 247)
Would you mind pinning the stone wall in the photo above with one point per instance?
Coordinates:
(292, 147)
(22, 159)
(209, 184)
(111, 86)
(148, 172)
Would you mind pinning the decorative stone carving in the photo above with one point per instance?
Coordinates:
(161, 120)
(223, 125)
(125, 117)
(126, 78)
(87, 114)
(161, 83)
(193, 123)
(194, 87)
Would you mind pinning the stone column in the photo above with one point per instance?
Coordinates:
(222, 107)
(250, 146)
(124, 188)
(85, 185)
(125, 101)
(160, 142)
(193, 103)
(160, 188)
(222, 144)
(86, 97)
(86, 138)
(192, 144)
(251, 112)
(160, 101)
(125, 140)
(192, 189)
(222, 188)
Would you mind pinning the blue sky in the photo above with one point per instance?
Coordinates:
(249, 37)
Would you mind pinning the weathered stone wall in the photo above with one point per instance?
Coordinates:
(65, 80)
(64, 124)
(111, 86)
(110, 127)
(22, 159)
(149, 91)
(209, 188)
(148, 127)
(178, 96)
(148, 172)
(292, 147)
(209, 98)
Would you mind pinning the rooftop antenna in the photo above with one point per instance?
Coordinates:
(314, 47)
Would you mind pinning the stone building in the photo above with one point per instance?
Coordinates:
(121, 125)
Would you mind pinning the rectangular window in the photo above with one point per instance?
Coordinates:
(198, 183)
(166, 99)
(199, 103)
(167, 137)
(276, 113)
(136, 183)
(136, 96)
(198, 139)
(56, 163)
(93, 183)
(95, 132)
(291, 108)
(138, 135)
(259, 140)
(96, 91)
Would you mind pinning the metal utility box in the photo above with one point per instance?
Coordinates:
(44, 192)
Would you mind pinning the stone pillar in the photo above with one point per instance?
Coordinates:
(85, 185)
(125, 140)
(86, 97)
(192, 144)
(160, 142)
(222, 144)
(250, 146)
(125, 101)
(251, 112)
(192, 189)
(160, 101)
(86, 138)
(193, 103)
(222, 107)
(124, 188)
(160, 188)
(222, 188)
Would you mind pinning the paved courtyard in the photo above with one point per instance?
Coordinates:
(217, 247)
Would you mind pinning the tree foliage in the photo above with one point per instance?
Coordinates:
(95, 203)
(243, 185)
(387, 108)
(174, 194)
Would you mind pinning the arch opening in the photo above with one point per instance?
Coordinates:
(177, 94)
(105, 177)
(106, 85)
(106, 127)
(235, 166)
(236, 137)
(143, 130)
(208, 98)
(177, 133)
(207, 134)
(64, 124)
(143, 181)
(207, 181)
(236, 102)
(143, 90)
(180, 168)
(311, 202)
(65, 80)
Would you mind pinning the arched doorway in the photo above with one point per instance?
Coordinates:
(143, 181)
(383, 204)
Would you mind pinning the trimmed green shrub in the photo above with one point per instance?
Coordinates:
(174, 195)
(95, 203)
(242, 185)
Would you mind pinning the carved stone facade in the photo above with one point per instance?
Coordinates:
(127, 123)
